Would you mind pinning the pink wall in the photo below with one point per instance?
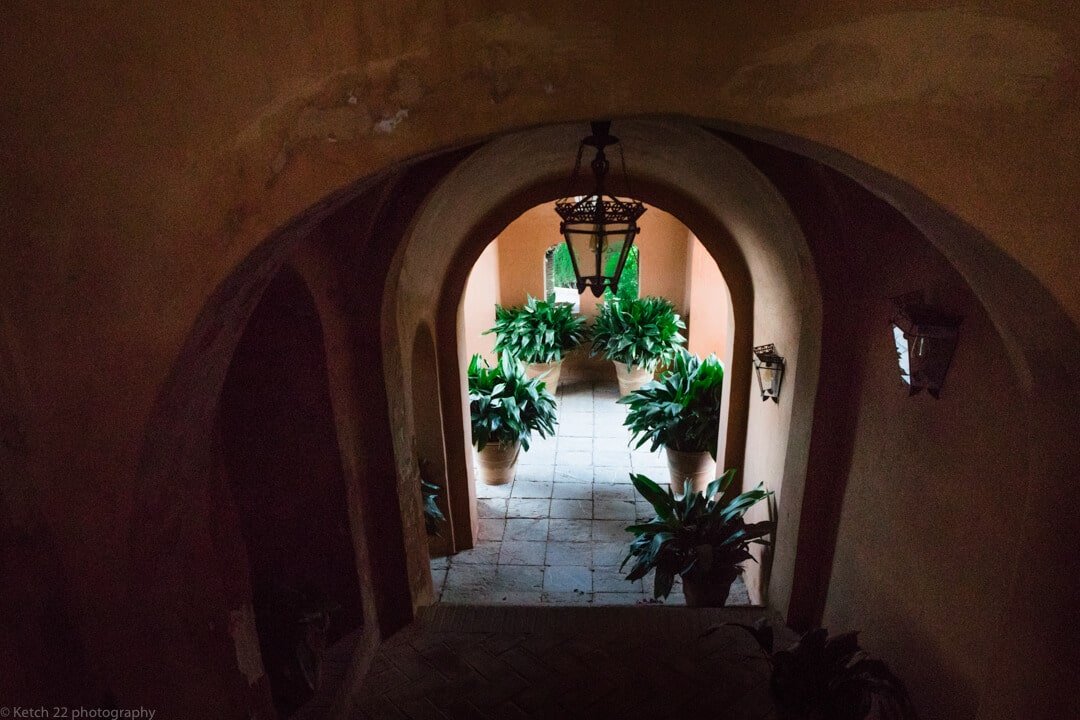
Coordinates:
(481, 295)
(708, 318)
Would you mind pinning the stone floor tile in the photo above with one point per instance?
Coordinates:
(567, 578)
(613, 510)
(611, 475)
(567, 598)
(491, 508)
(536, 473)
(572, 509)
(526, 529)
(576, 425)
(650, 461)
(611, 457)
(610, 531)
(515, 597)
(469, 576)
(610, 553)
(611, 427)
(523, 489)
(571, 457)
(536, 456)
(562, 530)
(569, 553)
(575, 444)
(517, 578)
(612, 444)
(611, 579)
(470, 595)
(528, 508)
(522, 552)
(484, 553)
(618, 598)
(614, 492)
(574, 474)
(491, 529)
(572, 491)
(483, 490)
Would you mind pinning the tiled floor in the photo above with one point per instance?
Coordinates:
(557, 534)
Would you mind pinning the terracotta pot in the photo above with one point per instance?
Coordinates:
(631, 380)
(690, 470)
(497, 463)
(553, 370)
(709, 590)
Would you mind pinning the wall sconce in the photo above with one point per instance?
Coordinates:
(925, 339)
(770, 371)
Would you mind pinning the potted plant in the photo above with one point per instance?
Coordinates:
(699, 537)
(539, 333)
(829, 678)
(637, 335)
(681, 413)
(506, 408)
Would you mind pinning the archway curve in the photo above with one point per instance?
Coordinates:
(712, 188)
(1041, 353)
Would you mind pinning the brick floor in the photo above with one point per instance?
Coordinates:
(557, 534)
(546, 662)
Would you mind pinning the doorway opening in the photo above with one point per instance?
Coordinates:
(556, 534)
(281, 464)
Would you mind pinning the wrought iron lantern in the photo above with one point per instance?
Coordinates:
(925, 340)
(770, 371)
(600, 225)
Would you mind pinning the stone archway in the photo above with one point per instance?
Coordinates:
(704, 182)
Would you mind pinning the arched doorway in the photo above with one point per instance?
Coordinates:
(555, 534)
(727, 204)
(281, 462)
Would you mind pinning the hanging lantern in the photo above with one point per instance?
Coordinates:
(770, 371)
(598, 226)
(925, 340)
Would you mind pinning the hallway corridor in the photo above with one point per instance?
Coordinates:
(557, 534)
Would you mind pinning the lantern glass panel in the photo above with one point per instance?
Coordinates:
(902, 354)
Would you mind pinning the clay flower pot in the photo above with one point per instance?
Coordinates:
(631, 380)
(553, 370)
(708, 590)
(691, 471)
(497, 463)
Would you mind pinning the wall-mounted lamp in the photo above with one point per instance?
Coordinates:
(770, 371)
(925, 339)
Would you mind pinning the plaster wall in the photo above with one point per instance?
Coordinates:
(709, 315)
(482, 294)
(148, 154)
(924, 491)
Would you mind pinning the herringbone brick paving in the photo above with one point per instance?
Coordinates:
(499, 663)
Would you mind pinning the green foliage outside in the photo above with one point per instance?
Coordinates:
(506, 406)
(563, 270)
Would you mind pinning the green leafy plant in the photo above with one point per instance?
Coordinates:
(432, 514)
(697, 536)
(505, 405)
(681, 410)
(829, 678)
(638, 332)
(540, 331)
